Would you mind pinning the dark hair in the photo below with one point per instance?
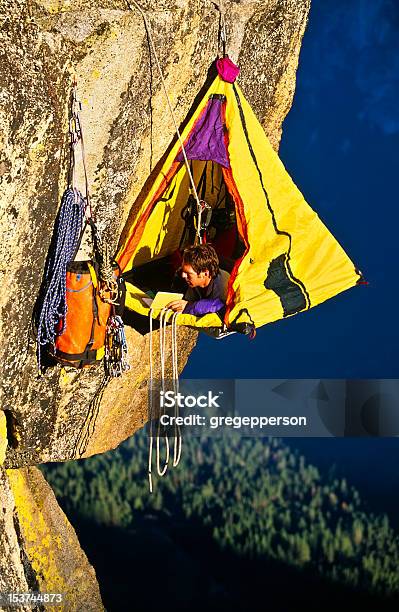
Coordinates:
(202, 257)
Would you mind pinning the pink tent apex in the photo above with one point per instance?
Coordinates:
(227, 70)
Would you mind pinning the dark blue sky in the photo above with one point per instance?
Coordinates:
(340, 144)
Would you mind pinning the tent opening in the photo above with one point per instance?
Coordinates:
(173, 221)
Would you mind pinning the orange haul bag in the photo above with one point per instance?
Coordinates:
(83, 339)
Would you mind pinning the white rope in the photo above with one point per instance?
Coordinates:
(177, 446)
(193, 187)
(175, 369)
(161, 472)
(151, 443)
(199, 221)
(162, 342)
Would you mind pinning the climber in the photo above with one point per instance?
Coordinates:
(200, 271)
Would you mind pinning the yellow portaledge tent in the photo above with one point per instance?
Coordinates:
(283, 259)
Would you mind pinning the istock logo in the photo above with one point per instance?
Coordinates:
(169, 399)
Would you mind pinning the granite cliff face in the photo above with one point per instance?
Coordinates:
(43, 44)
(39, 548)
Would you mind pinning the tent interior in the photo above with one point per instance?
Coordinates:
(172, 226)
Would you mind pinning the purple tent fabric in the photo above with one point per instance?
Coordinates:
(202, 307)
(206, 141)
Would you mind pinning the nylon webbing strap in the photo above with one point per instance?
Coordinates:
(76, 133)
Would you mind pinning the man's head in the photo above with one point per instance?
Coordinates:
(200, 265)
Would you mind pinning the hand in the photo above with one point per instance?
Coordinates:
(177, 305)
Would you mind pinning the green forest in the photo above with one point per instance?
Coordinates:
(256, 499)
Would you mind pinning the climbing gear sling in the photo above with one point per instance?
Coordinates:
(80, 305)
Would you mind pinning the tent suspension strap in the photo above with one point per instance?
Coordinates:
(76, 133)
(193, 187)
(219, 5)
(223, 36)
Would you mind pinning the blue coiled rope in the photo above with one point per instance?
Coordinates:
(65, 243)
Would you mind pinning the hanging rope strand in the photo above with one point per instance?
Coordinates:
(162, 345)
(192, 182)
(150, 407)
(177, 438)
(177, 447)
